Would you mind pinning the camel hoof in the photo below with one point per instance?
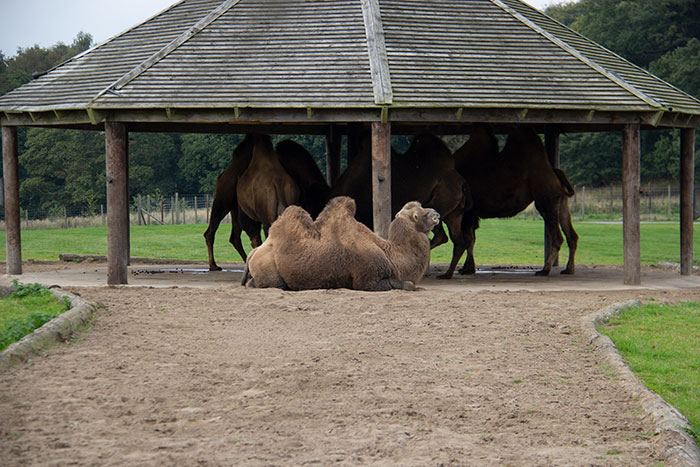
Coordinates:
(542, 272)
(445, 276)
(214, 268)
(408, 285)
(465, 271)
(567, 271)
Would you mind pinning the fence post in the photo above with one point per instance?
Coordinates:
(668, 203)
(207, 203)
(65, 217)
(196, 221)
(177, 208)
(583, 203)
(649, 198)
(138, 208)
(102, 213)
(148, 209)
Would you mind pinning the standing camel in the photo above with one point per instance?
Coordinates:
(503, 184)
(265, 188)
(226, 201)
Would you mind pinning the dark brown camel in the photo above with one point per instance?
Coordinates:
(226, 201)
(425, 173)
(338, 251)
(300, 165)
(265, 189)
(503, 184)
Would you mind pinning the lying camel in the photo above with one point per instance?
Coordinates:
(503, 184)
(426, 173)
(265, 188)
(226, 201)
(338, 251)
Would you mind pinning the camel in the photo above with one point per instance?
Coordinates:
(503, 184)
(425, 173)
(265, 188)
(300, 165)
(337, 251)
(297, 162)
(226, 201)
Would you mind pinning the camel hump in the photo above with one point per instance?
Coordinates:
(568, 189)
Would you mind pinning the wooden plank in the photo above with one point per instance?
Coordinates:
(631, 185)
(687, 190)
(117, 170)
(551, 143)
(381, 177)
(10, 168)
(376, 47)
(333, 140)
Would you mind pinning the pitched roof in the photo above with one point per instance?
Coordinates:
(331, 54)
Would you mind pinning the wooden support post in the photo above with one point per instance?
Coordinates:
(10, 170)
(631, 185)
(687, 190)
(333, 140)
(551, 143)
(381, 177)
(117, 167)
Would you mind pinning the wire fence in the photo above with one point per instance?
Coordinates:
(657, 203)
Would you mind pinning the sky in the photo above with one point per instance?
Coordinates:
(24, 23)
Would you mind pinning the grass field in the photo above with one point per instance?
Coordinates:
(499, 241)
(661, 344)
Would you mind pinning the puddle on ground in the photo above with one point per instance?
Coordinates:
(137, 272)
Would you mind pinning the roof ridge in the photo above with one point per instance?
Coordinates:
(611, 75)
(376, 47)
(167, 49)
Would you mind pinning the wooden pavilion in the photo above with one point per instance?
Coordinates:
(322, 66)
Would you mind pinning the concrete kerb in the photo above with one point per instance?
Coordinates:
(683, 453)
(61, 328)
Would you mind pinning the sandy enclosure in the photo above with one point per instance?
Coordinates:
(216, 374)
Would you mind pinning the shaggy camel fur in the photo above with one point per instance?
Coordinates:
(503, 184)
(426, 173)
(337, 251)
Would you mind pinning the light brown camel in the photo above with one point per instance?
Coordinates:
(226, 201)
(265, 188)
(503, 184)
(425, 173)
(338, 251)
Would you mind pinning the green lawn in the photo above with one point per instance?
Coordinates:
(499, 241)
(27, 309)
(661, 344)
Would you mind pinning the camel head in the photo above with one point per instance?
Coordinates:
(424, 219)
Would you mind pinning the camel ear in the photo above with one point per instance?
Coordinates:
(415, 217)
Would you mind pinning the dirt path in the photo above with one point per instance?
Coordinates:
(229, 376)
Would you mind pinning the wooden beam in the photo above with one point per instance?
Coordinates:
(117, 167)
(631, 185)
(381, 177)
(687, 190)
(333, 140)
(10, 169)
(551, 143)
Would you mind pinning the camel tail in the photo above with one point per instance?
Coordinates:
(246, 274)
(568, 189)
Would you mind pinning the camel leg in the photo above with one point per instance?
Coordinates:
(236, 230)
(439, 236)
(250, 227)
(550, 213)
(469, 235)
(454, 225)
(570, 233)
(220, 208)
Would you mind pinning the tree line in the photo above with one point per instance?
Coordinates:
(67, 168)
